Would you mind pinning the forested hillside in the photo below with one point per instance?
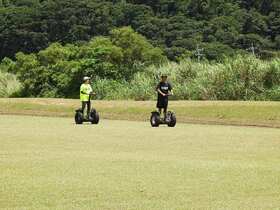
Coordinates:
(205, 46)
(220, 27)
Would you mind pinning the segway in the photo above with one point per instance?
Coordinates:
(93, 117)
(169, 120)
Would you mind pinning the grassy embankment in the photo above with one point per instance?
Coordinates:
(205, 112)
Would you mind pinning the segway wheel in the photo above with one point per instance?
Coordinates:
(173, 121)
(95, 117)
(79, 118)
(155, 119)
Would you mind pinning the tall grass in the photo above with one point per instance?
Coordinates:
(9, 85)
(240, 78)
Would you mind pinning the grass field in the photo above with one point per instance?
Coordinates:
(204, 112)
(50, 163)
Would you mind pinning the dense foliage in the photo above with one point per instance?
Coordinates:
(51, 44)
(57, 71)
(221, 27)
(125, 66)
(240, 78)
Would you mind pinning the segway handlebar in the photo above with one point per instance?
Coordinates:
(91, 95)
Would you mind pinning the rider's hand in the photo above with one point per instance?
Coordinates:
(164, 94)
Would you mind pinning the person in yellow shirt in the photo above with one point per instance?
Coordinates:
(85, 94)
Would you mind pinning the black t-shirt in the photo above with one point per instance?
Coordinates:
(164, 87)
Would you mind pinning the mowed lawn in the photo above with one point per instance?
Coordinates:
(51, 163)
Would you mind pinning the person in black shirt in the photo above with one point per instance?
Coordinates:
(164, 89)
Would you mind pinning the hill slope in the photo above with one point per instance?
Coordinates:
(177, 26)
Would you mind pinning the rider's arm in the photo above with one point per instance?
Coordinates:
(85, 90)
(170, 89)
(171, 92)
(82, 89)
(158, 90)
(91, 91)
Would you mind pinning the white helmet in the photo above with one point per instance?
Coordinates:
(86, 78)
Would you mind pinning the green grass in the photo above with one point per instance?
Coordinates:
(50, 163)
(206, 112)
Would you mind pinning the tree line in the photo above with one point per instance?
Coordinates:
(219, 27)
(47, 46)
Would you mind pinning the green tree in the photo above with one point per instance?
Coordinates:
(31, 25)
(57, 70)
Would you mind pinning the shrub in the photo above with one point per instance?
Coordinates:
(58, 70)
(9, 85)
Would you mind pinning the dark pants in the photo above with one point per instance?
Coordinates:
(84, 105)
(162, 103)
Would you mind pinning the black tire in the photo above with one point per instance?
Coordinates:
(173, 121)
(95, 117)
(79, 119)
(155, 120)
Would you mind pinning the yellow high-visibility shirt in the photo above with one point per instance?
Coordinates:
(85, 90)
